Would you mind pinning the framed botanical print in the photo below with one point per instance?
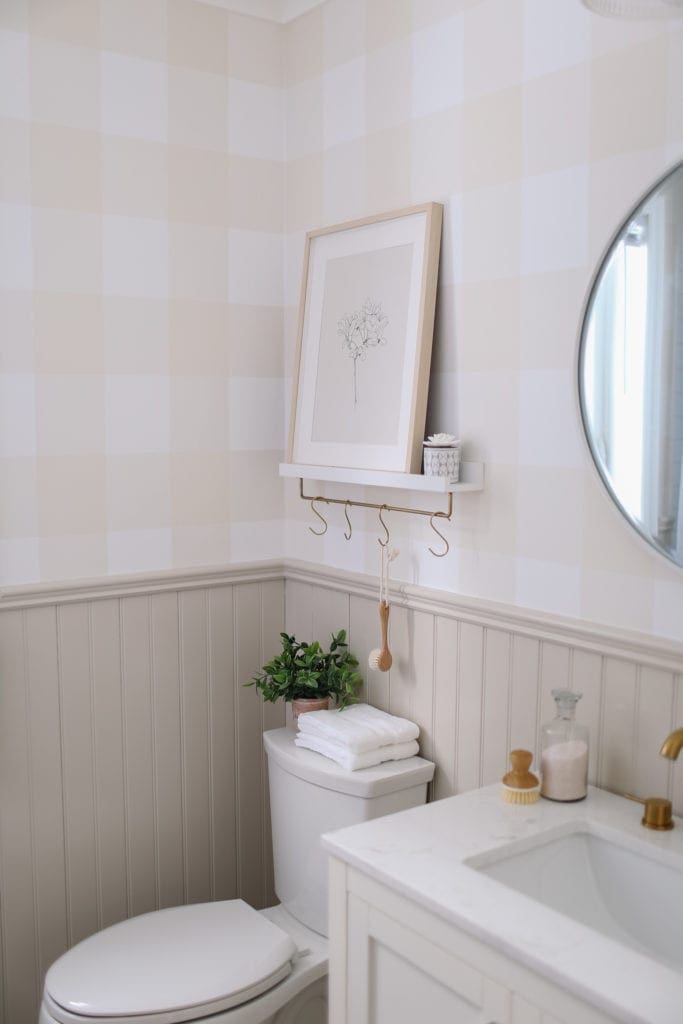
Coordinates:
(366, 322)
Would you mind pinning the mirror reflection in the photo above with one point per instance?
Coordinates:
(631, 367)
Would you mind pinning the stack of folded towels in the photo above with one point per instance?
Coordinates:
(358, 737)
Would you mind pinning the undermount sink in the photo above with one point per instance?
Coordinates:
(619, 890)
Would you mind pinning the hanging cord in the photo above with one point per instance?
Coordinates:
(386, 558)
(382, 550)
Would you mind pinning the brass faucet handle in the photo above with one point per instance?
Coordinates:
(657, 813)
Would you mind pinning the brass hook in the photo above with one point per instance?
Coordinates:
(318, 533)
(383, 543)
(438, 554)
(346, 513)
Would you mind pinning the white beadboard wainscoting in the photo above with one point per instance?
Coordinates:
(477, 676)
(131, 766)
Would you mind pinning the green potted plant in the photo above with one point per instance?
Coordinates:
(309, 676)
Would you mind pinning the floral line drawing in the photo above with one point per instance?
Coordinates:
(361, 330)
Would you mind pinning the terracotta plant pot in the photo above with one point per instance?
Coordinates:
(304, 704)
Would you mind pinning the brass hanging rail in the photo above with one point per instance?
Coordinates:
(383, 506)
(348, 502)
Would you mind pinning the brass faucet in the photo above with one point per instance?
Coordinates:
(657, 813)
(671, 747)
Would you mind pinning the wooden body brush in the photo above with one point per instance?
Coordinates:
(380, 658)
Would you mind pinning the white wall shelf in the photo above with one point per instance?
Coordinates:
(471, 478)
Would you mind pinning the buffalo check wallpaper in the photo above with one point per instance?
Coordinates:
(161, 163)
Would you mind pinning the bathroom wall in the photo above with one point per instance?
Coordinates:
(132, 774)
(537, 125)
(141, 216)
(145, 193)
(141, 363)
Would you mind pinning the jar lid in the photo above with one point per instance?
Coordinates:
(566, 698)
(441, 444)
(441, 440)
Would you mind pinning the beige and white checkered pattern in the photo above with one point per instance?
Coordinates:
(141, 266)
(537, 124)
(161, 161)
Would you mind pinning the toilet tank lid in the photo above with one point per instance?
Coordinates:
(390, 777)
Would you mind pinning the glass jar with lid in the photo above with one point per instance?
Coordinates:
(564, 751)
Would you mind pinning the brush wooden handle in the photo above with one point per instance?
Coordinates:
(384, 620)
(520, 777)
(385, 659)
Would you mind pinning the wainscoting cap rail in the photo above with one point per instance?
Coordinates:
(658, 652)
(106, 587)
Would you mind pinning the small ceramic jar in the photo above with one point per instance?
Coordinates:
(442, 457)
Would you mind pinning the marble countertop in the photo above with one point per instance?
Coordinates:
(422, 854)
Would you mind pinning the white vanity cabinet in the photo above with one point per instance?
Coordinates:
(393, 962)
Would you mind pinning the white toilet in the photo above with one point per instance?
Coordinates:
(226, 961)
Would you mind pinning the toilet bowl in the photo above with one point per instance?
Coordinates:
(224, 961)
(220, 961)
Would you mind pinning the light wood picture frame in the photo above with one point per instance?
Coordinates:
(365, 331)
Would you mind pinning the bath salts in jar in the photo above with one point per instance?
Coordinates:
(564, 751)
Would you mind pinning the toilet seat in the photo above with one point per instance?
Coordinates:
(169, 966)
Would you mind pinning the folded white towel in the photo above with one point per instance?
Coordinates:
(352, 762)
(358, 728)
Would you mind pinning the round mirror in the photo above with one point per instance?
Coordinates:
(631, 367)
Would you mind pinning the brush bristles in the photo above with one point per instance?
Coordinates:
(380, 660)
(521, 796)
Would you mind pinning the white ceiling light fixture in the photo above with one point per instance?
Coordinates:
(636, 8)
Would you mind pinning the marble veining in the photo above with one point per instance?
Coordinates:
(430, 854)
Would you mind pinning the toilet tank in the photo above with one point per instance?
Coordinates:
(311, 795)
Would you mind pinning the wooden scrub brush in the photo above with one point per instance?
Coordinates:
(380, 658)
(520, 786)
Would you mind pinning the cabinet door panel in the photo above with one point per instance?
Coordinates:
(401, 993)
(396, 976)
